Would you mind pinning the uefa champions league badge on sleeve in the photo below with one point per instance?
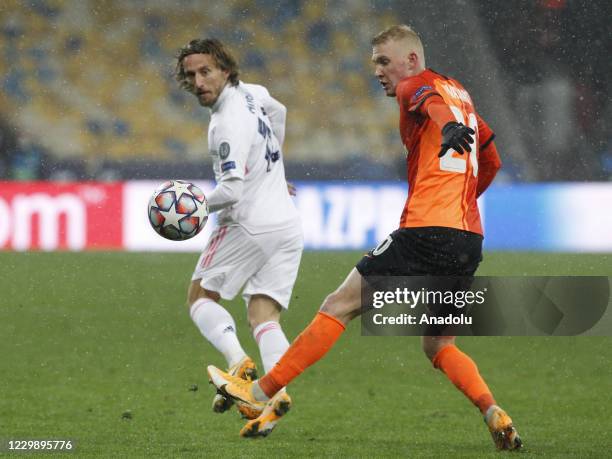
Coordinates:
(224, 150)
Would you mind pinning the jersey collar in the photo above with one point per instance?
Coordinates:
(425, 71)
(225, 94)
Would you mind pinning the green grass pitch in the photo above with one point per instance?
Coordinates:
(99, 348)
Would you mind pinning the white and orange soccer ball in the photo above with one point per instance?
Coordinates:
(178, 210)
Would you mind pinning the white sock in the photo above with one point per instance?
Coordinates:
(272, 343)
(259, 394)
(218, 327)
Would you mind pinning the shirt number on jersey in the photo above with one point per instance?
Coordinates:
(459, 164)
(272, 149)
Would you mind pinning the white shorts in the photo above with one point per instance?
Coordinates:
(265, 264)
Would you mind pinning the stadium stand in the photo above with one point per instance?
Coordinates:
(94, 78)
(91, 81)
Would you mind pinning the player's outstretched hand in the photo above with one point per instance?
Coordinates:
(456, 136)
(291, 189)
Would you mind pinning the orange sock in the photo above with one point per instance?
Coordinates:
(463, 373)
(312, 344)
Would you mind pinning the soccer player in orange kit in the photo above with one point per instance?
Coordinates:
(451, 159)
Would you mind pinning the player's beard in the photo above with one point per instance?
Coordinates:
(205, 102)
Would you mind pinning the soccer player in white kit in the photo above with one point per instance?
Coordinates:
(258, 243)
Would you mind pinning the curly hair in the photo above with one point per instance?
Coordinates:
(214, 48)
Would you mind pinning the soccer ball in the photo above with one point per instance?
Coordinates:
(178, 210)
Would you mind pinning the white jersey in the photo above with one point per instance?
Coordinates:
(243, 145)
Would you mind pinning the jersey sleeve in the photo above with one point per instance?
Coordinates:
(258, 91)
(485, 133)
(276, 111)
(413, 92)
(277, 114)
(232, 146)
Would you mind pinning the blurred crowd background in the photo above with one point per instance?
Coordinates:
(88, 90)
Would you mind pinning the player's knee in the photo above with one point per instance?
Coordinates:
(262, 308)
(331, 304)
(195, 292)
(256, 320)
(431, 345)
(192, 294)
(429, 350)
(338, 305)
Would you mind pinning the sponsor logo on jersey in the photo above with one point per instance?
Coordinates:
(228, 165)
(224, 150)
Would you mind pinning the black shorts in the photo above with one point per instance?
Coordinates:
(425, 251)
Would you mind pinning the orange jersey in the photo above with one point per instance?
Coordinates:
(441, 191)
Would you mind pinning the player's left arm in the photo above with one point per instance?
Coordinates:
(292, 189)
(275, 110)
(277, 113)
(489, 161)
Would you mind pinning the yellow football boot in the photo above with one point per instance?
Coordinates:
(503, 432)
(245, 369)
(263, 425)
(237, 390)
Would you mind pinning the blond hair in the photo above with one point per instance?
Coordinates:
(401, 32)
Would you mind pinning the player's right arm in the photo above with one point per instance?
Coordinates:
(459, 137)
(226, 193)
(232, 149)
(418, 96)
